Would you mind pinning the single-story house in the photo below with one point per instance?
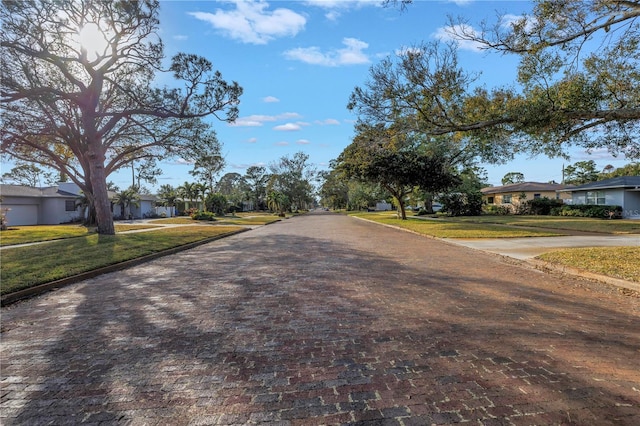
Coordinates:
(621, 191)
(25, 205)
(517, 193)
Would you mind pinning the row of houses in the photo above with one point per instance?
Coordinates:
(621, 191)
(25, 205)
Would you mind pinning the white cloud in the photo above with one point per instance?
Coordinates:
(352, 54)
(343, 4)
(252, 140)
(244, 166)
(302, 142)
(270, 99)
(180, 37)
(251, 22)
(181, 162)
(288, 127)
(328, 122)
(448, 34)
(282, 143)
(259, 120)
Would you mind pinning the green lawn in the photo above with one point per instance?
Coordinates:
(24, 267)
(616, 226)
(239, 219)
(451, 229)
(619, 262)
(30, 234)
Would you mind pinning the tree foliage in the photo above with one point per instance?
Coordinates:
(294, 177)
(512, 177)
(28, 174)
(77, 91)
(379, 155)
(581, 172)
(256, 178)
(579, 83)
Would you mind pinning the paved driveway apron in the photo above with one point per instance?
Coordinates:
(324, 319)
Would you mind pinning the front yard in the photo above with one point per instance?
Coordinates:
(27, 266)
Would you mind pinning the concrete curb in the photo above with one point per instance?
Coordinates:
(10, 298)
(540, 265)
(569, 270)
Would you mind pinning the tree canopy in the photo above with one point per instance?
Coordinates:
(395, 162)
(78, 95)
(578, 83)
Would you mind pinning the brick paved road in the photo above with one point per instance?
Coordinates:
(324, 319)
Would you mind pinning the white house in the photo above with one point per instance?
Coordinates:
(25, 205)
(621, 191)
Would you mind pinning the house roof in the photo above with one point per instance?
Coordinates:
(621, 182)
(524, 187)
(7, 190)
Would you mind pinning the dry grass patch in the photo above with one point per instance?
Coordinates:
(617, 226)
(619, 262)
(445, 229)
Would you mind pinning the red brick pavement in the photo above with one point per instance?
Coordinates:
(324, 319)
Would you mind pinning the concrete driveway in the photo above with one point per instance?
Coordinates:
(530, 247)
(323, 319)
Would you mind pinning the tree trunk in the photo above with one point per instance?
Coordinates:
(101, 195)
(403, 212)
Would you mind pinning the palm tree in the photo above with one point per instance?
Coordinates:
(202, 190)
(277, 202)
(168, 196)
(86, 207)
(188, 192)
(128, 197)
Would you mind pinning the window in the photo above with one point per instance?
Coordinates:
(506, 199)
(490, 200)
(596, 197)
(536, 196)
(69, 206)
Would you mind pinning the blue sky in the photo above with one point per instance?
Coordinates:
(298, 62)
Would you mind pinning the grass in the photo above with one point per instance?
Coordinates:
(31, 234)
(134, 227)
(239, 219)
(451, 229)
(619, 262)
(24, 267)
(617, 226)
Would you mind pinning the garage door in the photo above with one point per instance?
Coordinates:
(22, 215)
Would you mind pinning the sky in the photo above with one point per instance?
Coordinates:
(298, 62)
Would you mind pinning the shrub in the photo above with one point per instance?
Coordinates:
(198, 215)
(543, 206)
(462, 204)
(588, 210)
(216, 203)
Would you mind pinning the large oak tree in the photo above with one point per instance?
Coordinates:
(578, 82)
(78, 95)
(397, 162)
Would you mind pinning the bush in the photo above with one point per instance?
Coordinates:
(198, 215)
(461, 204)
(588, 210)
(543, 206)
(216, 203)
